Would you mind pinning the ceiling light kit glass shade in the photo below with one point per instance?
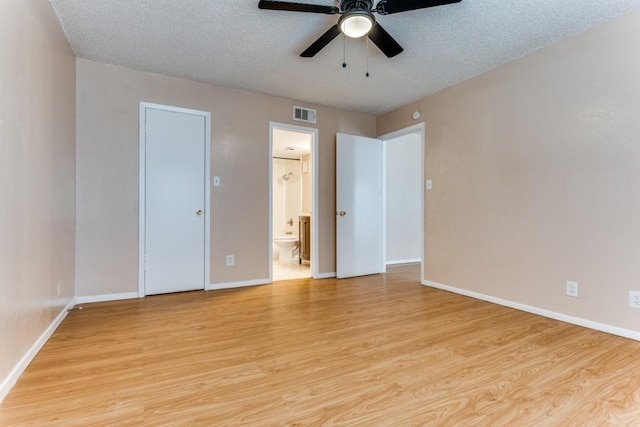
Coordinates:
(356, 23)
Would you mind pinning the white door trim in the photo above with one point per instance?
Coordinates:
(315, 258)
(418, 128)
(383, 261)
(142, 189)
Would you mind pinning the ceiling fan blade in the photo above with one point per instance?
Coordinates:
(297, 7)
(384, 41)
(386, 7)
(319, 44)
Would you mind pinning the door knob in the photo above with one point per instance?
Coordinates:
(199, 212)
(342, 213)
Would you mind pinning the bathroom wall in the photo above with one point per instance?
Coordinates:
(286, 196)
(307, 182)
(293, 195)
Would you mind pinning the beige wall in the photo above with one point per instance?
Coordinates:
(37, 175)
(107, 167)
(536, 177)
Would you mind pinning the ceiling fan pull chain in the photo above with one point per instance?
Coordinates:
(344, 51)
(367, 54)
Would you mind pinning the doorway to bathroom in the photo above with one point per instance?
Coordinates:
(293, 200)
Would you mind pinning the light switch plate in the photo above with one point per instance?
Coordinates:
(216, 181)
(429, 184)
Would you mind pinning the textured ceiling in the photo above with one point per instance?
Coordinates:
(234, 44)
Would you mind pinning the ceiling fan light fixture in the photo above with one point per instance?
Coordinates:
(356, 23)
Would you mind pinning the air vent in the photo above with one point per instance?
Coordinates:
(306, 115)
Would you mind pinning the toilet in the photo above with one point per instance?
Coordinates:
(287, 246)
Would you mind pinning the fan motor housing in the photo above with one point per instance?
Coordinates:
(347, 5)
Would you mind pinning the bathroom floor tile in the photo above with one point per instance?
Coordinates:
(290, 270)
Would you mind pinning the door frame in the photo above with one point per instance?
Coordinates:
(142, 189)
(315, 258)
(419, 129)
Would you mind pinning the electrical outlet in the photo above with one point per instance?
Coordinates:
(634, 299)
(572, 289)
(231, 260)
(59, 287)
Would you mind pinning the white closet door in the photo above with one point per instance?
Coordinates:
(175, 183)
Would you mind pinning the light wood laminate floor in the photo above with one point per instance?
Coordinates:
(372, 351)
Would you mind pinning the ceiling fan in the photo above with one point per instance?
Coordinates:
(356, 20)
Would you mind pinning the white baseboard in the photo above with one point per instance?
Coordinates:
(614, 330)
(7, 384)
(404, 261)
(325, 275)
(106, 297)
(230, 285)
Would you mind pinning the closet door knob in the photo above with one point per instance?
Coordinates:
(199, 212)
(342, 213)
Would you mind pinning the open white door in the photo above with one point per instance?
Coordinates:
(359, 204)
